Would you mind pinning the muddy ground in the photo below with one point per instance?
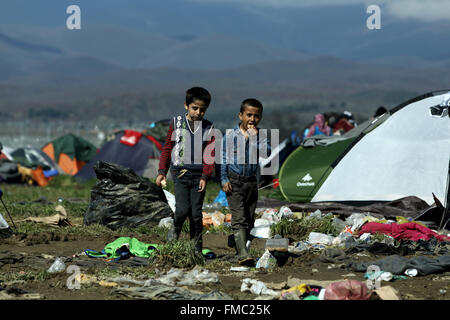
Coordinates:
(22, 255)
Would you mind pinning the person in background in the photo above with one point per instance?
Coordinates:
(344, 123)
(319, 127)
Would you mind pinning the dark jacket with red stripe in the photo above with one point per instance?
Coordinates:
(187, 155)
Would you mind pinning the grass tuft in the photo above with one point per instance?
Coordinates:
(178, 254)
(299, 229)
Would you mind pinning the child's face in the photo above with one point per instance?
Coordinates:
(250, 117)
(196, 110)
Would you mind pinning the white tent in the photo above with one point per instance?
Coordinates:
(407, 154)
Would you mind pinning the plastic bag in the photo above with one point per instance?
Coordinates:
(198, 275)
(170, 199)
(271, 215)
(218, 218)
(341, 238)
(57, 266)
(316, 214)
(285, 212)
(365, 237)
(356, 220)
(347, 290)
(261, 229)
(166, 222)
(266, 261)
(257, 287)
(171, 277)
(320, 238)
(121, 198)
(338, 224)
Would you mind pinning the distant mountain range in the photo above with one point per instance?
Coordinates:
(136, 58)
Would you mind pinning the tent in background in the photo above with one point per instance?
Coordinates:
(70, 152)
(33, 157)
(158, 129)
(131, 149)
(405, 152)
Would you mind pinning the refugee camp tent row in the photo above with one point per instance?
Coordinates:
(405, 152)
(29, 165)
(70, 152)
(129, 148)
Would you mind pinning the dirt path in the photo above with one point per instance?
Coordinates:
(20, 256)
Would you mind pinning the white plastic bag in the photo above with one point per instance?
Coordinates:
(271, 215)
(170, 200)
(365, 237)
(166, 222)
(356, 220)
(338, 224)
(320, 238)
(261, 229)
(266, 261)
(340, 239)
(316, 214)
(285, 212)
(172, 276)
(257, 287)
(3, 223)
(57, 266)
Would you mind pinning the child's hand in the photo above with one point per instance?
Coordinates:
(227, 187)
(161, 181)
(252, 130)
(202, 185)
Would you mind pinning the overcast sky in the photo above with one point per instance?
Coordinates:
(425, 10)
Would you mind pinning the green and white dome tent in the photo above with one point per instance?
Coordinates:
(405, 152)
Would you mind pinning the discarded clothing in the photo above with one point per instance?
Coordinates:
(302, 291)
(123, 248)
(406, 247)
(379, 248)
(432, 246)
(397, 265)
(409, 231)
(332, 255)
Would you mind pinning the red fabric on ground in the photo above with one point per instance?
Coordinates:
(408, 231)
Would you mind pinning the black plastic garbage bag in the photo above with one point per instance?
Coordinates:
(120, 198)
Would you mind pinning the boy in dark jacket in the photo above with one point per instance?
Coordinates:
(186, 140)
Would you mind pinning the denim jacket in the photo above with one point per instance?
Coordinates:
(234, 160)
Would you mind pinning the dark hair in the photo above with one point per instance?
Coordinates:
(381, 110)
(251, 103)
(198, 93)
